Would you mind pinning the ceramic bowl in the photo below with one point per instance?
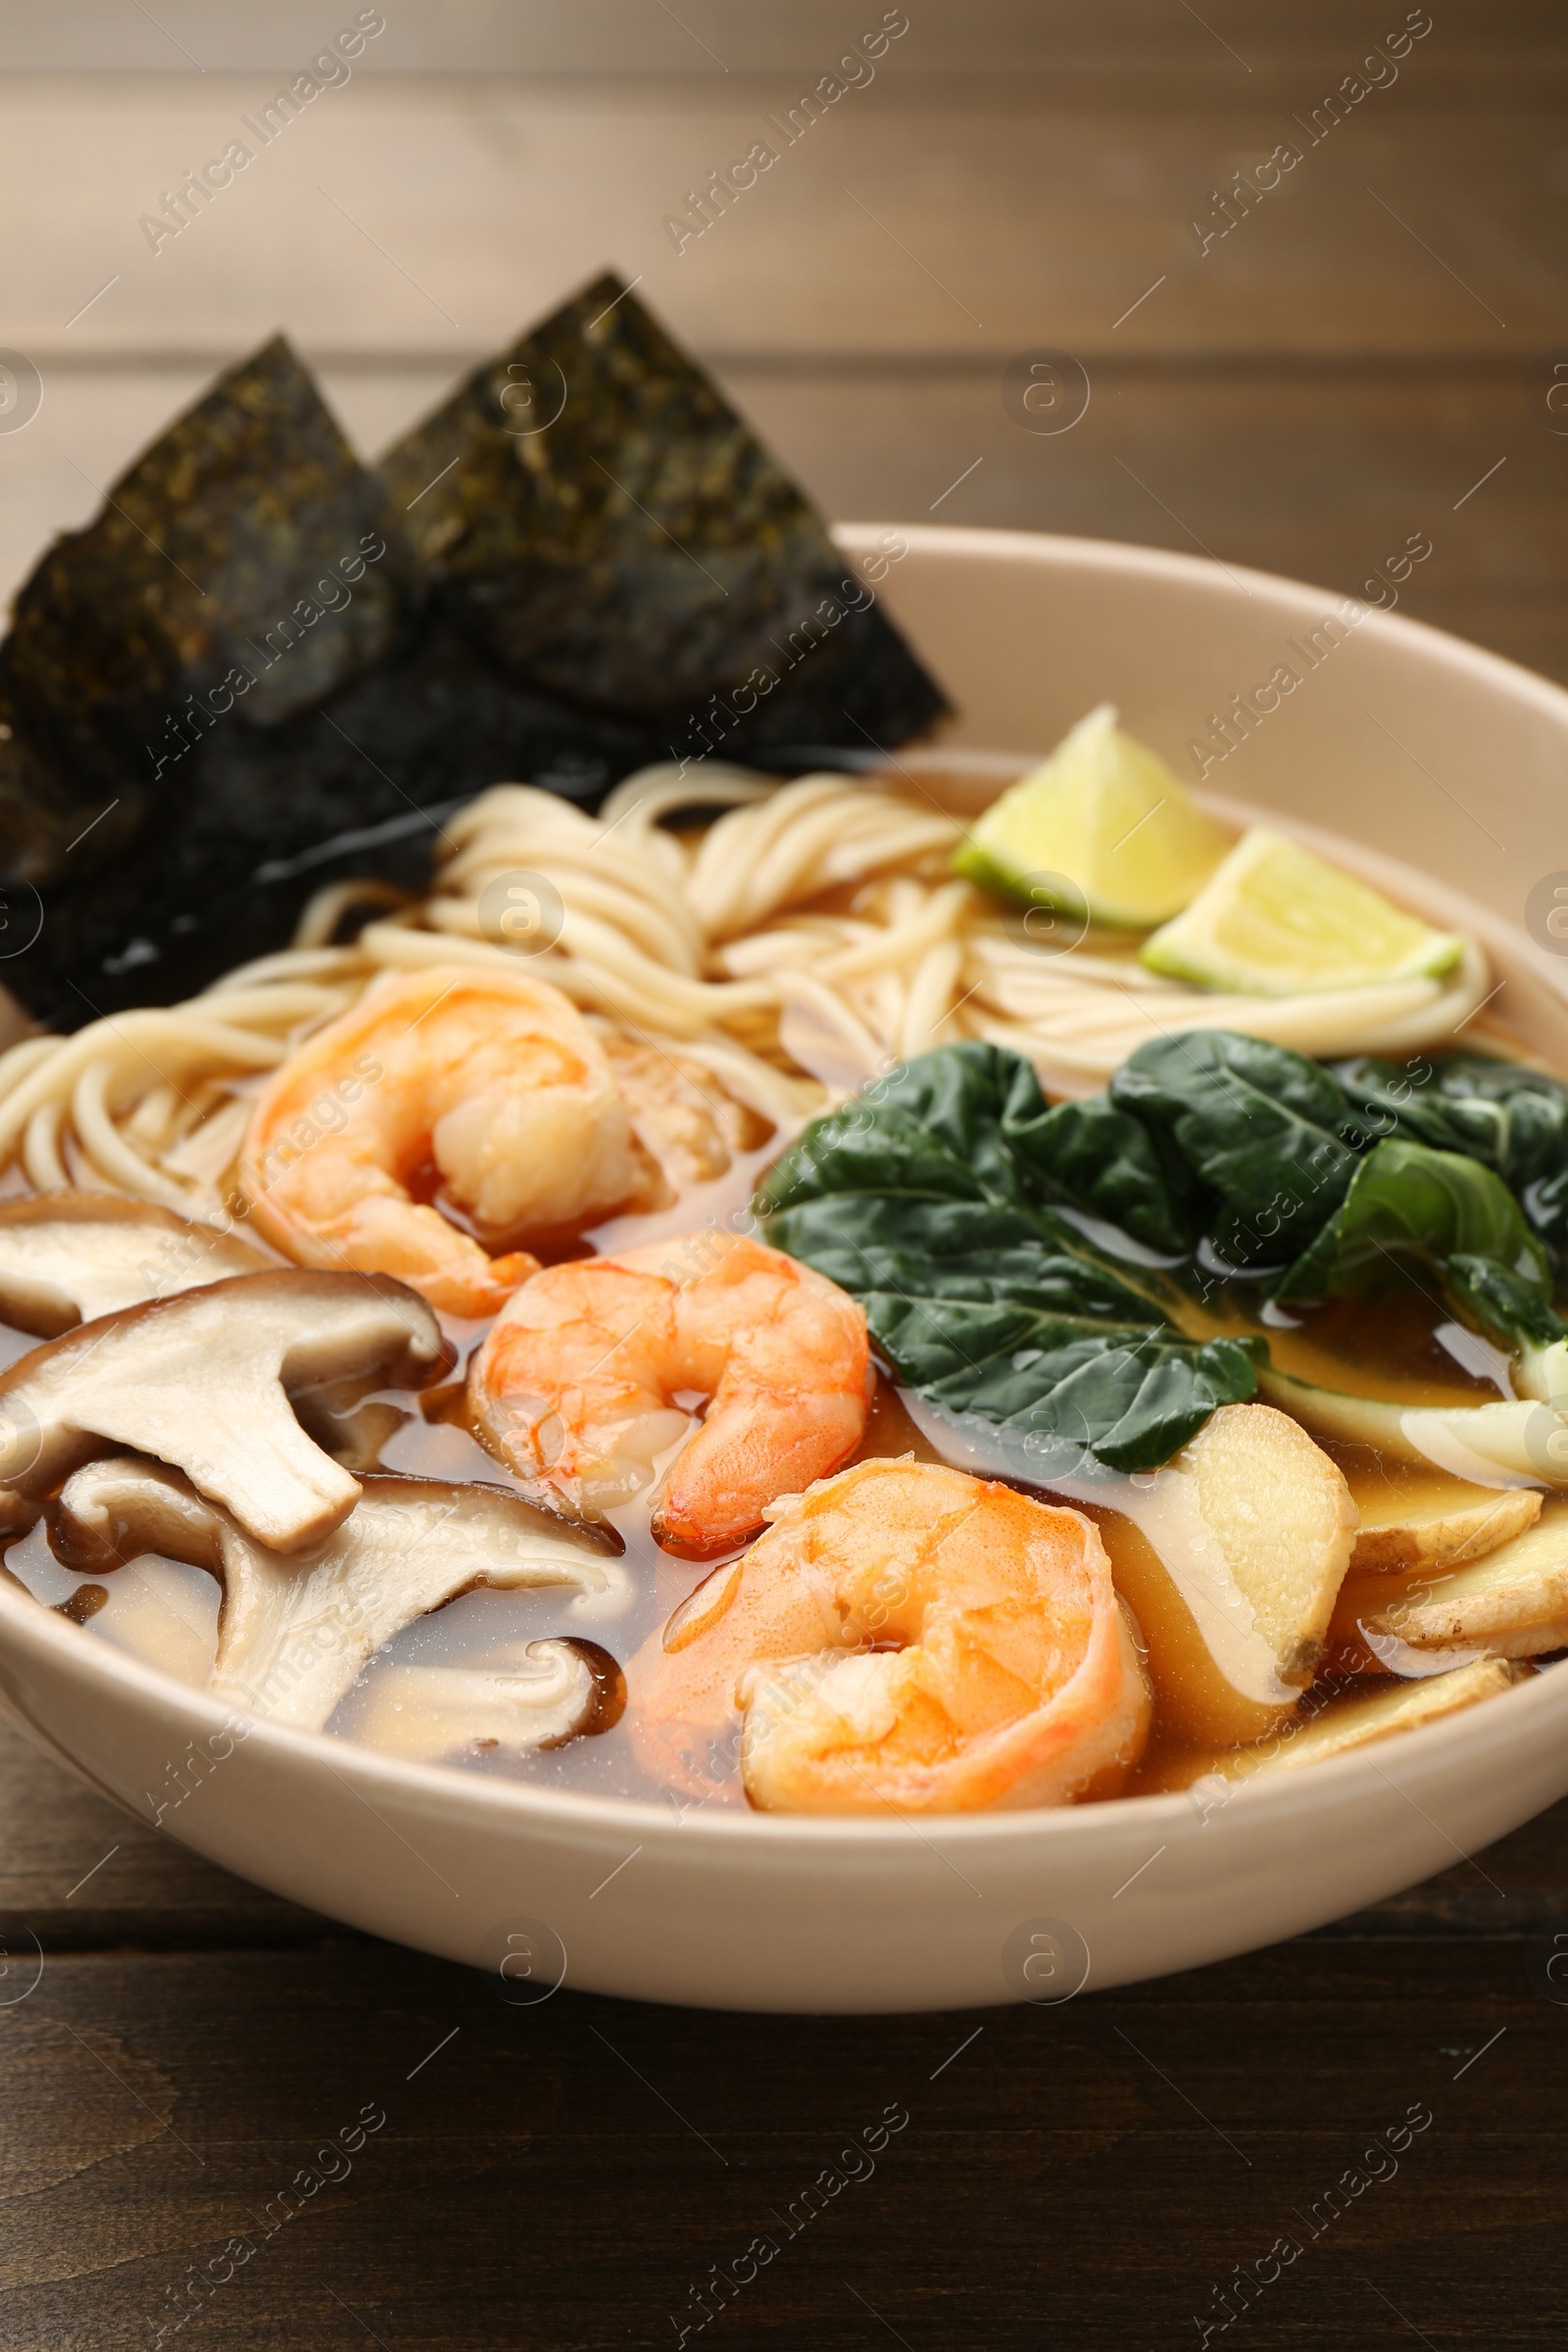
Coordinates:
(1446, 765)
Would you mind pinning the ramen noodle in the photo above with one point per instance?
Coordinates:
(808, 938)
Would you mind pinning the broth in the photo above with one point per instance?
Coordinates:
(166, 1612)
(1214, 1685)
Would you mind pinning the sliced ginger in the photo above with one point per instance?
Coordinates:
(1439, 1523)
(1230, 1559)
(1282, 1514)
(1357, 1723)
(1512, 1602)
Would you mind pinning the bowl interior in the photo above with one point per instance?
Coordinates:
(1441, 765)
(1403, 739)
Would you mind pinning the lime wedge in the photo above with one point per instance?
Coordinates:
(1276, 921)
(1103, 822)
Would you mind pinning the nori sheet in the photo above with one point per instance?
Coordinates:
(598, 517)
(271, 814)
(232, 570)
(637, 581)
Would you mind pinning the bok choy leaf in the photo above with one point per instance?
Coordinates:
(1407, 1200)
(1034, 1265)
(1511, 1119)
(1265, 1134)
(929, 1200)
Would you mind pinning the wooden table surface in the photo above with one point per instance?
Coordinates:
(1369, 352)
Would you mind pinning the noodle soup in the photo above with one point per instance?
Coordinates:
(738, 976)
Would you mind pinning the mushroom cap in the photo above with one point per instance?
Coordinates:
(540, 1696)
(70, 1258)
(294, 1632)
(202, 1380)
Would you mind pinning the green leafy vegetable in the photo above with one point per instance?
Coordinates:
(1512, 1309)
(969, 1122)
(1127, 1399)
(1093, 1158)
(1507, 1305)
(924, 1199)
(935, 1127)
(1267, 1143)
(1265, 1130)
(1027, 1266)
(1509, 1118)
(1407, 1200)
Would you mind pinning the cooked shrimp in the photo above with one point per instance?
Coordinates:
(483, 1088)
(903, 1635)
(577, 1383)
(683, 1116)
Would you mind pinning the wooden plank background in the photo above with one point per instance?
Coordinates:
(1368, 353)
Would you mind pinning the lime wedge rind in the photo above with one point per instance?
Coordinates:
(1277, 920)
(1040, 887)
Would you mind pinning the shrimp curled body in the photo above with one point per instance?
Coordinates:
(577, 1386)
(485, 1087)
(903, 1635)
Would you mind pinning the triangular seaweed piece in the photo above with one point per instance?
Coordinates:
(261, 665)
(597, 517)
(243, 569)
(241, 572)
